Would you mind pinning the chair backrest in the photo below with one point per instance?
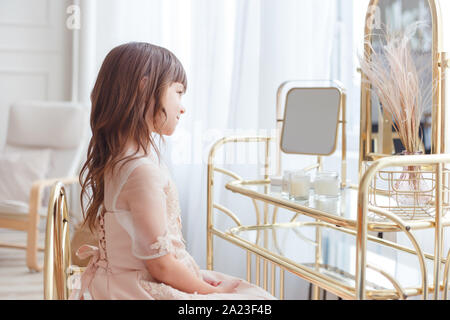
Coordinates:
(57, 271)
(61, 127)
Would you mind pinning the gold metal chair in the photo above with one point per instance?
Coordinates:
(58, 271)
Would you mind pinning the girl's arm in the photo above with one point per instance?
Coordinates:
(144, 196)
(171, 271)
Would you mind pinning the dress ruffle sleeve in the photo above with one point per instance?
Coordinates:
(142, 210)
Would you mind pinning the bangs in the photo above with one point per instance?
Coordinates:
(177, 73)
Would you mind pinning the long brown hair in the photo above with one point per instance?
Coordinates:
(119, 110)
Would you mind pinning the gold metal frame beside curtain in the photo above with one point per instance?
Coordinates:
(439, 63)
(358, 226)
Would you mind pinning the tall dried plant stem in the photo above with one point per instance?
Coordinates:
(395, 80)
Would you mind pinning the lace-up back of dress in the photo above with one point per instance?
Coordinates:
(102, 235)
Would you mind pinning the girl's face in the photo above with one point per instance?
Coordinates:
(171, 102)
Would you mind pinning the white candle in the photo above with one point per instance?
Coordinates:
(275, 184)
(300, 185)
(327, 184)
(330, 205)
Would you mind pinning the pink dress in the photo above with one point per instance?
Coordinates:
(149, 228)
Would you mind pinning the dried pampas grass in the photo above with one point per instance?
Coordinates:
(404, 87)
(400, 85)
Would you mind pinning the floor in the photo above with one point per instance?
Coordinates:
(16, 281)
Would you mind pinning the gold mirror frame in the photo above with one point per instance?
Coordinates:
(282, 91)
(439, 61)
(282, 103)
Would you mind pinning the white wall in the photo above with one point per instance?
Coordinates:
(35, 53)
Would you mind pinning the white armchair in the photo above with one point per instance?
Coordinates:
(45, 143)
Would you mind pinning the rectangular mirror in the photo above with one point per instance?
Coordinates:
(311, 114)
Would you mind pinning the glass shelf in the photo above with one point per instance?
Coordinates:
(341, 211)
(294, 244)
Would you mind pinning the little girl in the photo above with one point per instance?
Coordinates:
(133, 202)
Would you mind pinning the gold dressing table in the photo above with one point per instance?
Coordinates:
(345, 256)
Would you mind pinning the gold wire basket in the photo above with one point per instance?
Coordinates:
(409, 192)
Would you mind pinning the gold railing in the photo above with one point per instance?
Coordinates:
(409, 192)
(436, 162)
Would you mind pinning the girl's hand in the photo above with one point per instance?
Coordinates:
(228, 286)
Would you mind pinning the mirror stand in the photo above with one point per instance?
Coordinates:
(309, 114)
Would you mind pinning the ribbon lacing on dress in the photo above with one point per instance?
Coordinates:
(98, 260)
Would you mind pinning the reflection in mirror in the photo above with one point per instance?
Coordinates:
(412, 18)
(311, 117)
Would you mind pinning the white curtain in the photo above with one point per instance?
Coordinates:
(236, 54)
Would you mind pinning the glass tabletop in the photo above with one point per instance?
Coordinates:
(341, 210)
(296, 242)
(343, 206)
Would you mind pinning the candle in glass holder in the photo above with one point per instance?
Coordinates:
(327, 184)
(285, 183)
(328, 204)
(275, 184)
(300, 184)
